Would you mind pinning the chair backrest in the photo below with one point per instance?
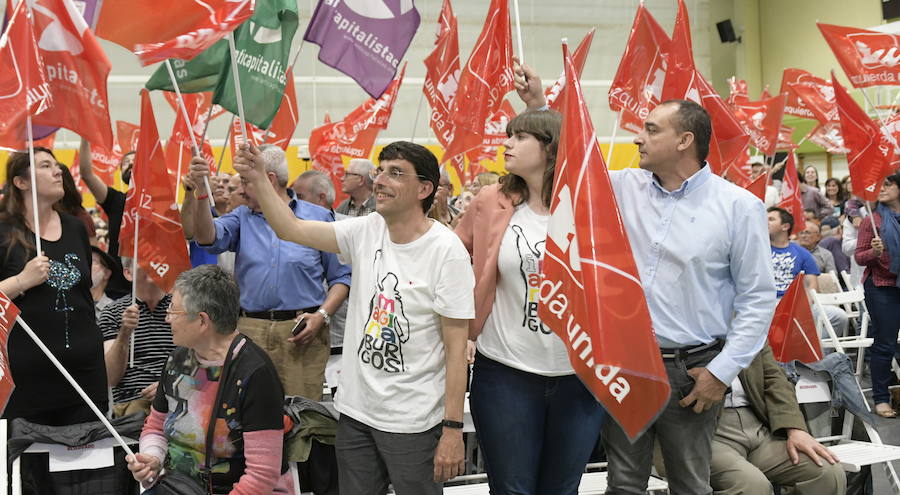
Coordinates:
(828, 283)
(854, 296)
(848, 281)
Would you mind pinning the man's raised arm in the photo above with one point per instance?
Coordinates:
(85, 165)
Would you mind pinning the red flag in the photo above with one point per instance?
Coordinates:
(683, 81)
(285, 122)
(24, 89)
(765, 95)
(790, 194)
(762, 121)
(792, 334)
(162, 250)
(818, 99)
(252, 133)
(794, 105)
(127, 136)
(77, 70)
(637, 86)
(590, 295)
(785, 138)
(828, 136)
(554, 93)
(103, 162)
(8, 314)
(871, 153)
(485, 80)
(494, 134)
(737, 91)
(159, 29)
(758, 186)
(441, 80)
(869, 58)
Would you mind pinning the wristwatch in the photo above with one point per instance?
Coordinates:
(449, 423)
(325, 315)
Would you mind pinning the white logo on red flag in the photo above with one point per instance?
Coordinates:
(869, 58)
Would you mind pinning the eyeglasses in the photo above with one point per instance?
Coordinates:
(348, 174)
(394, 174)
(172, 313)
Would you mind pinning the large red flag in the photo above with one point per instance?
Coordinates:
(282, 128)
(554, 93)
(828, 136)
(162, 250)
(871, 153)
(790, 194)
(159, 29)
(792, 334)
(818, 99)
(441, 80)
(127, 135)
(484, 82)
(77, 69)
(590, 294)
(637, 87)
(762, 120)
(104, 163)
(24, 89)
(869, 58)
(494, 134)
(8, 314)
(795, 105)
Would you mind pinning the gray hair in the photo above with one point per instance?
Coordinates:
(362, 167)
(276, 162)
(319, 183)
(126, 262)
(211, 290)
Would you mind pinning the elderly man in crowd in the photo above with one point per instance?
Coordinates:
(809, 238)
(285, 306)
(315, 187)
(357, 183)
(135, 386)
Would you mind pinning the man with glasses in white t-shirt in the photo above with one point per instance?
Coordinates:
(403, 380)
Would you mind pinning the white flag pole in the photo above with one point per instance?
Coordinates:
(412, 138)
(237, 86)
(519, 33)
(74, 384)
(224, 146)
(187, 122)
(134, 267)
(34, 202)
(612, 141)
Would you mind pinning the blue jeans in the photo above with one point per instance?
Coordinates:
(536, 432)
(883, 304)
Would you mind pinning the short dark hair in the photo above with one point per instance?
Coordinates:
(894, 179)
(785, 216)
(693, 118)
(424, 161)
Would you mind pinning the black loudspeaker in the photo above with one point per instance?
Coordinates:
(726, 32)
(890, 9)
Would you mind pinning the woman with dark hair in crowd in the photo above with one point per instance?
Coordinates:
(537, 423)
(835, 194)
(71, 203)
(880, 255)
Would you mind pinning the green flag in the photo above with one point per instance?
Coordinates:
(196, 75)
(263, 45)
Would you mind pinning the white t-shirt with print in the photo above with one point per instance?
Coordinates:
(393, 369)
(513, 334)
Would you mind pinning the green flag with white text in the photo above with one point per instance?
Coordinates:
(194, 76)
(263, 45)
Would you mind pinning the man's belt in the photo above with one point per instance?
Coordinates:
(683, 352)
(277, 314)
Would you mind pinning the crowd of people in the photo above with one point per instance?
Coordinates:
(420, 283)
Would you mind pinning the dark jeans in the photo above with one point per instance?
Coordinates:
(536, 432)
(368, 459)
(685, 438)
(883, 304)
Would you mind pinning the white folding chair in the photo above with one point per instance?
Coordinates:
(828, 283)
(841, 344)
(813, 389)
(848, 281)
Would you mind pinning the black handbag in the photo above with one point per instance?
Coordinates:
(177, 483)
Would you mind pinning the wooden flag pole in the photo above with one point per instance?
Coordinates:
(34, 202)
(612, 142)
(187, 121)
(75, 385)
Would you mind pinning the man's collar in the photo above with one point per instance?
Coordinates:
(689, 185)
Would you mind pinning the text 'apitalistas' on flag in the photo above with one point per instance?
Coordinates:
(364, 40)
(590, 294)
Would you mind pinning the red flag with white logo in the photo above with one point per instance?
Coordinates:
(8, 314)
(282, 128)
(828, 136)
(762, 121)
(441, 80)
(737, 91)
(484, 82)
(869, 58)
(785, 138)
(554, 93)
(251, 133)
(637, 87)
(104, 163)
(127, 136)
(871, 153)
(790, 194)
(590, 294)
(794, 105)
(162, 250)
(792, 334)
(24, 89)
(818, 99)
(494, 134)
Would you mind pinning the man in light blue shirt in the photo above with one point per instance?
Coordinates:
(281, 282)
(701, 245)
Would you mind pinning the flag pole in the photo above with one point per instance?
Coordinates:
(74, 384)
(519, 33)
(34, 202)
(134, 267)
(872, 218)
(237, 87)
(612, 141)
(412, 138)
(222, 155)
(206, 126)
(187, 122)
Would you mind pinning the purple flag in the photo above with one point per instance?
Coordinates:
(364, 39)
